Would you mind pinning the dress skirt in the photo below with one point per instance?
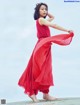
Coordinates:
(37, 76)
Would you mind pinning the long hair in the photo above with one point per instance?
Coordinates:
(36, 13)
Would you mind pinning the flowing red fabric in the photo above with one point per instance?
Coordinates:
(38, 73)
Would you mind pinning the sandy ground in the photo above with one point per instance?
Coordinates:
(61, 101)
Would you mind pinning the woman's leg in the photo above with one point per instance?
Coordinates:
(33, 95)
(45, 91)
(46, 96)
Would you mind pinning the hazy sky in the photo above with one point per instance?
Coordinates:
(18, 38)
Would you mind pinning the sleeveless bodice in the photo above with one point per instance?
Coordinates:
(42, 30)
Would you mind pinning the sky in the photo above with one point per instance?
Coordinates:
(17, 41)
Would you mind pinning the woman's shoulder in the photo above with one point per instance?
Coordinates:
(40, 20)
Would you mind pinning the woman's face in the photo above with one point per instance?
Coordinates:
(43, 11)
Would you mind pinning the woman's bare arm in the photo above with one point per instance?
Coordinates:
(43, 21)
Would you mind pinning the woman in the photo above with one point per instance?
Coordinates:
(38, 73)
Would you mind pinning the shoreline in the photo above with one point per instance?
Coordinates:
(59, 101)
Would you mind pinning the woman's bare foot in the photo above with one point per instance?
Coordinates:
(33, 97)
(48, 97)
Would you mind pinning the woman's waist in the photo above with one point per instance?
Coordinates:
(42, 36)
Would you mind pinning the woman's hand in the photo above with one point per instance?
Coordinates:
(70, 31)
(51, 17)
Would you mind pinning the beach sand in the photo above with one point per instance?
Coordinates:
(60, 101)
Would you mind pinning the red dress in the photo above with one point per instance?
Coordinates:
(38, 73)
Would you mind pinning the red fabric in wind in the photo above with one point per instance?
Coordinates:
(38, 73)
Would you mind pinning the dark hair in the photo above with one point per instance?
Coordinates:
(36, 13)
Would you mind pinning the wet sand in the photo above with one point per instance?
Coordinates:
(60, 101)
